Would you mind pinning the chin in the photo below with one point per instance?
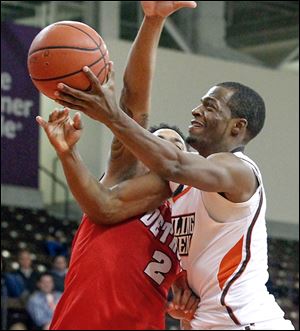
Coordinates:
(197, 144)
(192, 141)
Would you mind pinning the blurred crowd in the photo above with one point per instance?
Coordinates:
(31, 293)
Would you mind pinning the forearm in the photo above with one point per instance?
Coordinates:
(136, 93)
(92, 196)
(116, 204)
(141, 61)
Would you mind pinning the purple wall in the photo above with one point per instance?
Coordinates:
(19, 107)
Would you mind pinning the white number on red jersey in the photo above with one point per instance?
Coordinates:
(158, 268)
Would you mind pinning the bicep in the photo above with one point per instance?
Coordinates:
(220, 173)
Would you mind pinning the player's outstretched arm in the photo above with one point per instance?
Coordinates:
(222, 172)
(102, 205)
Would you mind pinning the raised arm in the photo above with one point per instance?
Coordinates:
(135, 96)
(139, 72)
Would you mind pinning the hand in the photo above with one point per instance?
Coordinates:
(99, 102)
(185, 302)
(165, 8)
(63, 132)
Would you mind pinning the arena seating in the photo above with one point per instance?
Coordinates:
(29, 228)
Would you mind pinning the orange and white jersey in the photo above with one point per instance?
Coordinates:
(223, 247)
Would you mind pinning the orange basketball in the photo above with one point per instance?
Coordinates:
(60, 51)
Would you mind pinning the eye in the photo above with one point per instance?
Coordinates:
(210, 107)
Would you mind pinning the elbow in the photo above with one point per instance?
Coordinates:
(125, 95)
(102, 218)
(105, 211)
(128, 95)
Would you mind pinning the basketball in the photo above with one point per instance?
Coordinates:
(60, 51)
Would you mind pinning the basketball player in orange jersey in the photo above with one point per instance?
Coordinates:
(121, 266)
(223, 203)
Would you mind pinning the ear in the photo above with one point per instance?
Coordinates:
(239, 126)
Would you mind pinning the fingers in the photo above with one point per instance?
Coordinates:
(41, 122)
(53, 116)
(186, 4)
(195, 305)
(180, 314)
(59, 115)
(110, 66)
(92, 77)
(65, 89)
(111, 80)
(69, 105)
(191, 304)
(185, 298)
(77, 122)
(109, 71)
(177, 298)
(66, 96)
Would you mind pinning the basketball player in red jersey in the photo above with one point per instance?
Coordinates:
(119, 273)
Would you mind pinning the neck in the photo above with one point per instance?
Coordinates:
(205, 152)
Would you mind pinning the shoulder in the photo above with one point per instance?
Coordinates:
(223, 157)
(231, 161)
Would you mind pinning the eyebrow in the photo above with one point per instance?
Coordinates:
(178, 140)
(205, 99)
(175, 139)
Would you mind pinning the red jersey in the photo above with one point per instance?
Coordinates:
(119, 275)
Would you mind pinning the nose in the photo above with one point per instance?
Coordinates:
(196, 111)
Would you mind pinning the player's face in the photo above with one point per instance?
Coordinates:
(172, 136)
(210, 126)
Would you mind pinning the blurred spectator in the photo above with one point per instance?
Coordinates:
(14, 285)
(4, 297)
(59, 271)
(18, 326)
(26, 270)
(55, 246)
(42, 303)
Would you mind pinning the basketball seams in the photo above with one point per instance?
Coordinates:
(100, 72)
(64, 47)
(105, 64)
(72, 73)
(75, 27)
(99, 46)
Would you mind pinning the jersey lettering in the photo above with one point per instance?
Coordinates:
(183, 230)
(157, 269)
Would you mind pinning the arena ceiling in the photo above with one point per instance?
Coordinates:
(267, 31)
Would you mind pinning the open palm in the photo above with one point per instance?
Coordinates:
(63, 132)
(165, 8)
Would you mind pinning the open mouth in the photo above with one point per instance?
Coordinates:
(197, 124)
